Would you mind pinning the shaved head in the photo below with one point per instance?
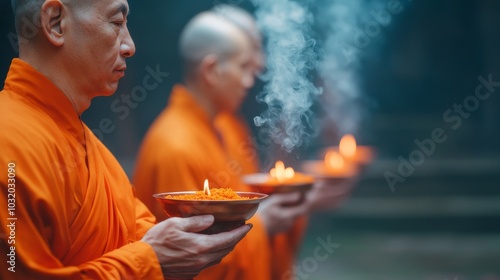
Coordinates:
(27, 15)
(209, 34)
(245, 22)
(241, 18)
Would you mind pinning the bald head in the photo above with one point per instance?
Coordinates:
(245, 22)
(241, 18)
(209, 34)
(27, 15)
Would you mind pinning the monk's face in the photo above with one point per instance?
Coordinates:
(98, 43)
(259, 60)
(237, 77)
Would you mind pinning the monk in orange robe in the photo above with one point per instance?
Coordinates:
(71, 212)
(187, 144)
(240, 144)
(241, 147)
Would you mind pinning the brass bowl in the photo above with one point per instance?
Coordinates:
(316, 169)
(365, 156)
(264, 183)
(228, 214)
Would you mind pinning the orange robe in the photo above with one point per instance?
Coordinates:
(75, 213)
(183, 148)
(179, 152)
(238, 142)
(241, 147)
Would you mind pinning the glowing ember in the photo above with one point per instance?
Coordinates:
(206, 188)
(347, 146)
(333, 160)
(281, 173)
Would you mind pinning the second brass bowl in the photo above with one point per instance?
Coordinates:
(263, 183)
(316, 169)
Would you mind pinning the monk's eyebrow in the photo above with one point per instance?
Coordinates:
(121, 8)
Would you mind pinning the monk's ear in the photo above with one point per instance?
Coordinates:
(52, 20)
(209, 69)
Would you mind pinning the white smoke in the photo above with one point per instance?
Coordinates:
(350, 30)
(291, 56)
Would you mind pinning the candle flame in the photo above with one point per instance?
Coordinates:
(206, 188)
(347, 146)
(334, 160)
(281, 173)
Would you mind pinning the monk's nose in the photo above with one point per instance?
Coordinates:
(127, 47)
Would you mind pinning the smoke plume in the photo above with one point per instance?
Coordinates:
(291, 56)
(350, 30)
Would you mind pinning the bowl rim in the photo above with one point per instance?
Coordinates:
(260, 197)
(310, 181)
(325, 175)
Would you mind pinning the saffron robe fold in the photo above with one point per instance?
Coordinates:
(242, 147)
(76, 213)
(238, 141)
(180, 151)
(184, 147)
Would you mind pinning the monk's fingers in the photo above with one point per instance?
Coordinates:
(321, 190)
(188, 270)
(217, 257)
(294, 210)
(184, 254)
(344, 185)
(193, 224)
(217, 261)
(286, 198)
(327, 198)
(327, 193)
(224, 240)
(175, 274)
(205, 261)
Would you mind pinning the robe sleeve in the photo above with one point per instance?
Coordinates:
(188, 174)
(247, 261)
(34, 258)
(285, 248)
(144, 219)
(159, 172)
(40, 238)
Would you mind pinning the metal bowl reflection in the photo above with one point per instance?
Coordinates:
(316, 168)
(264, 183)
(363, 158)
(228, 214)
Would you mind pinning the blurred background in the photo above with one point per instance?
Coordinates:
(420, 72)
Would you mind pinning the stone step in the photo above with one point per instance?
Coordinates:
(477, 177)
(442, 207)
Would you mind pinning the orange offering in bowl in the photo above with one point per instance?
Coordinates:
(230, 209)
(354, 153)
(215, 194)
(279, 180)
